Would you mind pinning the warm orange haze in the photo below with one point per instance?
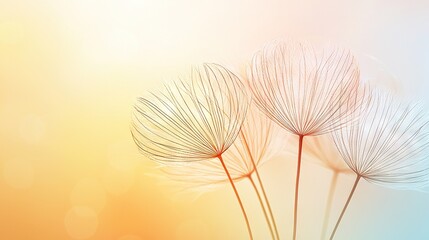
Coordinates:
(70, 75)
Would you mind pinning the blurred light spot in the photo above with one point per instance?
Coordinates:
(118, 182)
(88, 192)
(130, 237)
(9, 33)
(32, 129)
(81, 222)
(121, 157)
(192, 229)
(8, 116)
(121, 44)
(18, 173)
(115, 45)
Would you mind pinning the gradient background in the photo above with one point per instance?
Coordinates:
(71, 70)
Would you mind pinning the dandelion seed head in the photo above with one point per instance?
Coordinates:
(303, 89)
(191, 120)
(389, 144)
(256, 142)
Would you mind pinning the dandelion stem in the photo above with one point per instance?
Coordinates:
(267, 202)
(262, 206)
(238, 197)
(298, 171)
(274, 225)
(345, 207)
(332, 189)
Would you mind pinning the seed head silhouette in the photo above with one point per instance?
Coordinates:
(304, 90)
(193, 121)
(388, 145)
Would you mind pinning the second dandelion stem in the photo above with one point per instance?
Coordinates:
(262, 189)
(267, 202)
(298, 171)
(262, 206)
(238, 197)
(345, 207)
(329, 203)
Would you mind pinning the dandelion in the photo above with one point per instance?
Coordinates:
(304, 91)
(388, 146)
(194, 121)
(252, 149)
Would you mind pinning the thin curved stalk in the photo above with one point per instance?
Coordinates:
(298, 172)
(263, 207)
(268, 203)
(328, 207)
(262, 187)
(345, 207)
(238, 197)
